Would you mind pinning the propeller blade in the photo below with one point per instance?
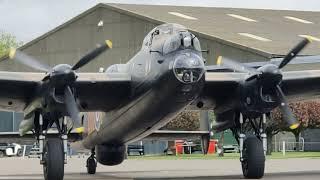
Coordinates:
(233, 65)
(72, 108)
(293, 53)
(28, 60)
(286, 111)
(93, 54)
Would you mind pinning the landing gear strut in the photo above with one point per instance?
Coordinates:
(253, 148)
(53, 151)
(92, 163)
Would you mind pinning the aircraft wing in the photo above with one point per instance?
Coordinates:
(94, 91)
(11, 137)
(275, 61)
(102, 91)
(17, 89)
(221, 87)
(301, 85)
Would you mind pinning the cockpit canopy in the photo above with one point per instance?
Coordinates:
(167, 38)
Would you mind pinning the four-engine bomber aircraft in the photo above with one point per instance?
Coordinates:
(166, 76)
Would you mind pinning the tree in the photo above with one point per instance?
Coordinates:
(273, 127)
(6, 42)
(307, 113)
(186, 120)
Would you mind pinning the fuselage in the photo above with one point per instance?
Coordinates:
(167, 75)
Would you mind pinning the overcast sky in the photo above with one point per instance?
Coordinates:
(28, 19)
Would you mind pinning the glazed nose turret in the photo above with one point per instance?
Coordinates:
(188, 67)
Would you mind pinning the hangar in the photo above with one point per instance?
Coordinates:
(244, 34)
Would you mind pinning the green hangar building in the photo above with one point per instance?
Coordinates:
(246, 35)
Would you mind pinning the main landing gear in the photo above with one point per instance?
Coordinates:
(92, 163)
(53, 151)
(252, 147)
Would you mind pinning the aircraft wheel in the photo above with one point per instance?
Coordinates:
(20, 153)
(91, 165)
(1, 154)
(53, 156)
(253, 158)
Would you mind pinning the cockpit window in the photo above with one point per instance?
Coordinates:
(183, 40)
(162, 31)
(196, 43)
(172, 44)
(168, 38)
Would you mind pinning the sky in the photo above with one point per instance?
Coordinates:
(28, 19)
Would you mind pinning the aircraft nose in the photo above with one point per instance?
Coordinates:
(188, 67)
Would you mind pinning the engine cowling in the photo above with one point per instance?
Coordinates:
(256, 99)
(110, 155)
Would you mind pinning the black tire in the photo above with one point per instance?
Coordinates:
(20, 152)
(1, 154)
(91, 165)
(53, 167)
(253, 158)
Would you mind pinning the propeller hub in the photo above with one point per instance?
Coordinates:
(270, 74)
(62, 74)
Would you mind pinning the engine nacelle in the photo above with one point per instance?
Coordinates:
(256, 99)
(110, 155)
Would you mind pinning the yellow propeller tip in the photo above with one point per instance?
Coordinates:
(12, 53)
(79, 130)
(309, 38)
(294, 126)
(109, 44)
(219, 60)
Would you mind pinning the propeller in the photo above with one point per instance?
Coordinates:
(93, 54)
(37, 65)
(235, 65)
(270, 75)
(28, 60)
(293, 53)
(286, 111)
(62, 76)
(71, 106)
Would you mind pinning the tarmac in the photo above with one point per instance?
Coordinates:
(302, 168)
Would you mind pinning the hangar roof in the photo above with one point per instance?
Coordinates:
(270, 33)
(267, 32)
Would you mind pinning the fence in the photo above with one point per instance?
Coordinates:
(289, 144)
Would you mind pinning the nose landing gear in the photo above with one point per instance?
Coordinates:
(252, 148)
(53, 151)
(253, 159)
(53, 160)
